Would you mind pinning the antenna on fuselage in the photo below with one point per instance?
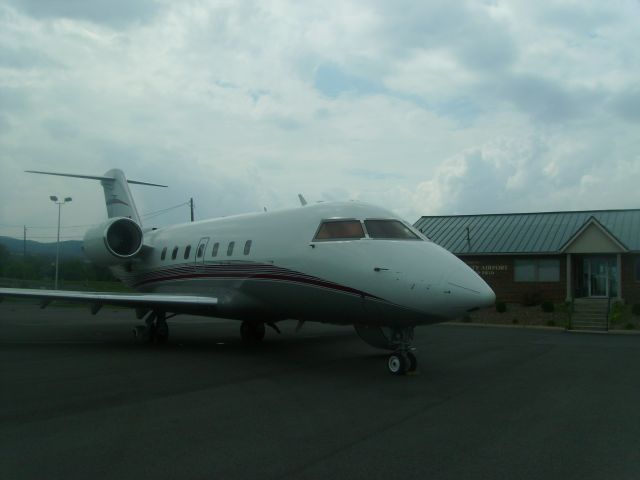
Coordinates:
(303, 201)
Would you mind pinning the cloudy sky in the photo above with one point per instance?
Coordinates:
(426, 106)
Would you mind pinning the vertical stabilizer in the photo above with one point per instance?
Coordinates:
(117, 195)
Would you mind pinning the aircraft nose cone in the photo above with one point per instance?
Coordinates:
(470, 288)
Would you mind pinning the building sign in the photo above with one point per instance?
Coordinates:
(489, 270)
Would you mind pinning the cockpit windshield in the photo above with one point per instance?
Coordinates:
(351, 229)
(389, 229)
(340, 230)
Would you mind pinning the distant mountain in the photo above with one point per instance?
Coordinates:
(68, 248)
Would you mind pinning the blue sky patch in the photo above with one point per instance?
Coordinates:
(332, 81)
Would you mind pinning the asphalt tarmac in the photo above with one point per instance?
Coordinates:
(80, 400)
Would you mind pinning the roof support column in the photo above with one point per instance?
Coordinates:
(619, 275)
(569, 275)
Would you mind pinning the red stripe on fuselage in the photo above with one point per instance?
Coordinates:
(305, 280)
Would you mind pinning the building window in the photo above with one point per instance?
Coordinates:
(174, 254)
(214, 252)
(637, 269)
(549, 270)
(230, 248)
(163, 255)
(524, 270)
(247, 247)
(536, 270)
(187, 251)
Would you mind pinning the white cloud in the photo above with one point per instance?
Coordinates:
(437, 107)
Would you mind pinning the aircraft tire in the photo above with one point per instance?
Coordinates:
(413, 362)
(398, 363)
(141, 334)
(252, 332)
(161, 334)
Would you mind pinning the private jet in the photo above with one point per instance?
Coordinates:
(346, 263)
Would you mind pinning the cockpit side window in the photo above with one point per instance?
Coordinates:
(390, 230)
(340, 230)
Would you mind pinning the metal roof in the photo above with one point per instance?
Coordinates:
(543, 232)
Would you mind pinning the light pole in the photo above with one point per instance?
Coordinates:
(54, 199)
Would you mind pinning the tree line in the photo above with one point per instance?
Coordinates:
(42, 268)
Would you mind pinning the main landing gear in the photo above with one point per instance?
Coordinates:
(252, 332)
(155, 330)
(402, 360)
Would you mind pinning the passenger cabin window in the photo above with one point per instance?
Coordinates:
(389, 229)
(200, 250)
(340, 230)
(174, 254)
(247, 247)
(163, 255)
(187, 251)
(214, 252)
(230, 248)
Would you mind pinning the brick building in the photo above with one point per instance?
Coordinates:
(555, 256)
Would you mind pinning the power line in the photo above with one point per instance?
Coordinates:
(147, 216)
(164, 210)
(69, 237)
(44, 227)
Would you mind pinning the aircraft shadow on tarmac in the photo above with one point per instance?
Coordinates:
(286, 347)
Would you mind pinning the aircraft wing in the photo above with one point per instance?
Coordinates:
(141, 301)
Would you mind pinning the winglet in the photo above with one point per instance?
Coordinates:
(303, 201)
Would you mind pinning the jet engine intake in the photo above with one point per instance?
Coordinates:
(115, 241)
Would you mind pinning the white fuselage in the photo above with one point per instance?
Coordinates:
(285, 273)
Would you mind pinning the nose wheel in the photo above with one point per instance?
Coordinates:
(401, 363)
(402, 360)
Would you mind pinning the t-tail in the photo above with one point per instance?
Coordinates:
(117, 195)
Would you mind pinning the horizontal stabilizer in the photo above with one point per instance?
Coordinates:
(94, 177)
(117, 196)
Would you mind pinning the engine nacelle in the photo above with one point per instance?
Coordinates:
(115, 241)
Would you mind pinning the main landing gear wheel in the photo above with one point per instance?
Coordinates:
(252, 332)
(161, 333)
(155, 330)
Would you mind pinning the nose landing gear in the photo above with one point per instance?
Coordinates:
(400, 363)
(402, 360)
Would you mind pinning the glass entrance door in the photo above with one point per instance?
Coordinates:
(600, 276)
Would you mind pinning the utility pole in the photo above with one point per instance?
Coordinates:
(191, 205)
(24, 244)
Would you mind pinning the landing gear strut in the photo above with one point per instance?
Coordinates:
(252, 332)
(402, 360)
(155, 330)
